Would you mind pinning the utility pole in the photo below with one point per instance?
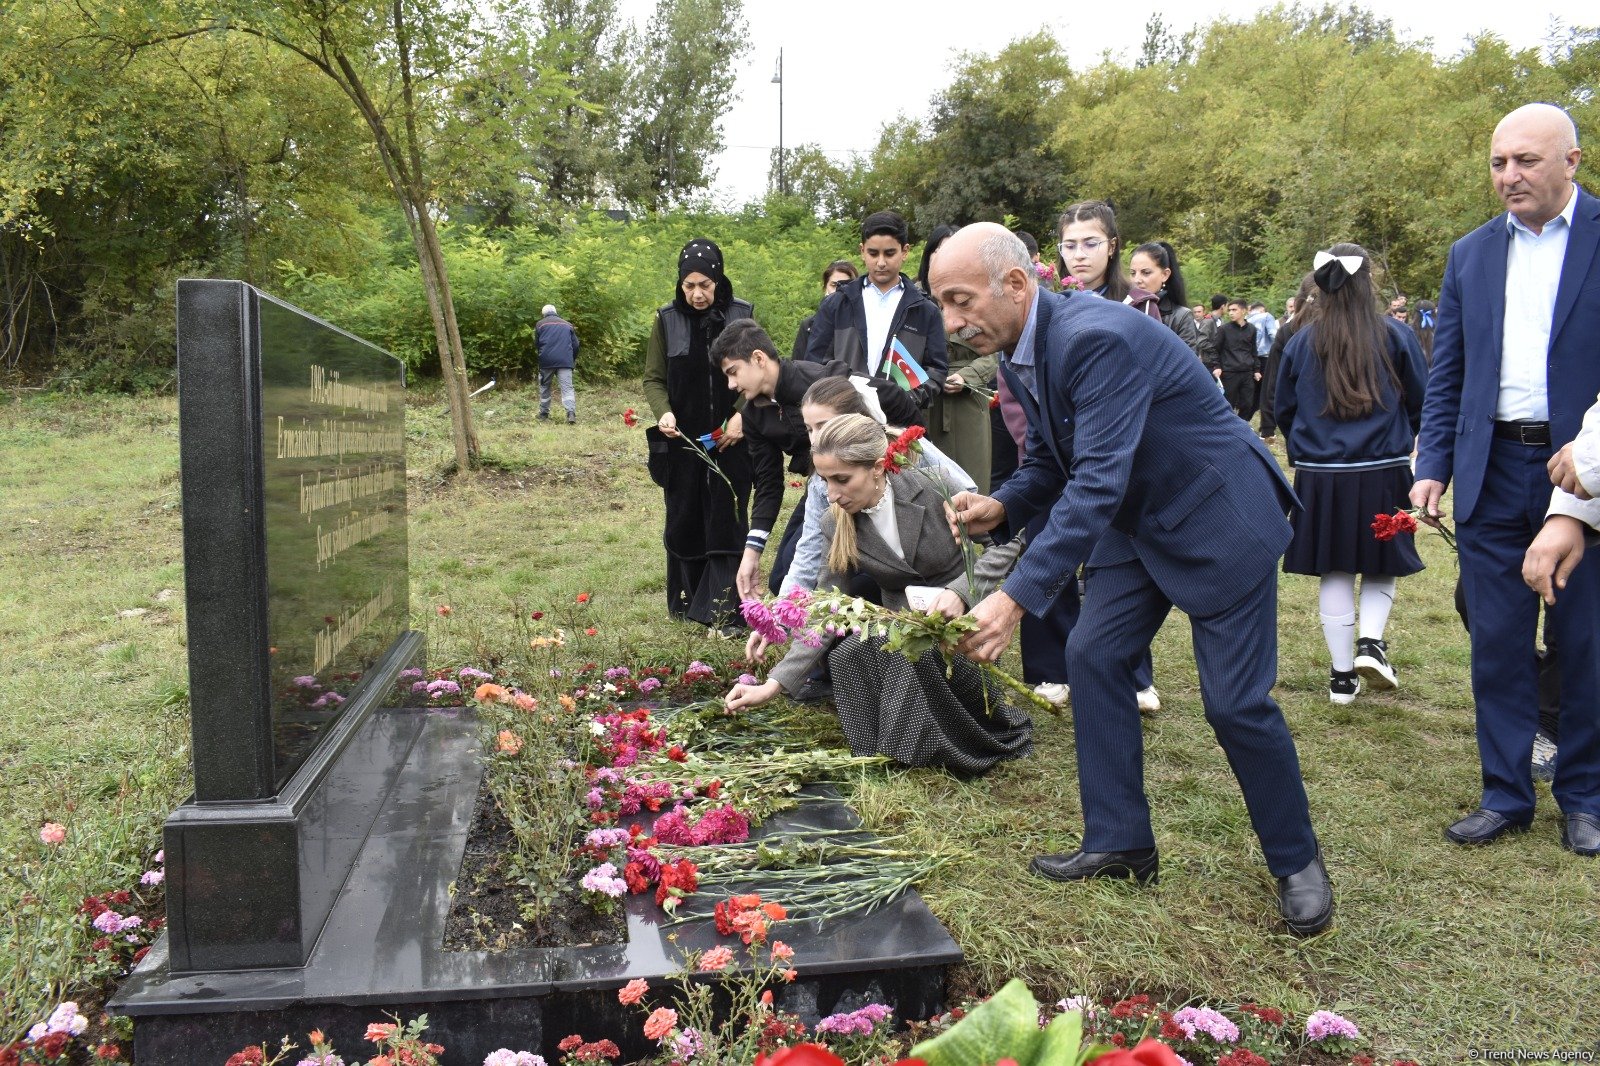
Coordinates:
(777, 78)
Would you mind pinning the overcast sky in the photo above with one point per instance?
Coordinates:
(837, 56)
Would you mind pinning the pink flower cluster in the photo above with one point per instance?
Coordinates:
(856, 1023)
(507, 1057)
(1324, 1023)
(625, 735)
(64, 1019)
(783, 620)
(1212, 1023)
(109, 921)
(720, 825)
(605, 839)
(604, 880)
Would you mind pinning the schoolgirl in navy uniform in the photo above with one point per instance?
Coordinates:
(1349, 404)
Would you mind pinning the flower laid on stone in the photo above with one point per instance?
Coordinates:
(747, 917)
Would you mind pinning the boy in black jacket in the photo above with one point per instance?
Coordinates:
(772, 389)
(860, 322)
(1236, 363)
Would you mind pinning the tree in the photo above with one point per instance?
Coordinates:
(583, 40)
(119, 171)
(683, 86)
(991, 153)
(405, 68)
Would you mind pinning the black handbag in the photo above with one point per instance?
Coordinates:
(656, 459)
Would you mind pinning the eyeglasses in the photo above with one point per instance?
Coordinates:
(1088, 244)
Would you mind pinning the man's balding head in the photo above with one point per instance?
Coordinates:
(1532, 159)
(983, 277)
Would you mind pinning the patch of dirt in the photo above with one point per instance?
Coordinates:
(486, 910)
(590, 477)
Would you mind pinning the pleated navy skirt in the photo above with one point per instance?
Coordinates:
(1334, 531)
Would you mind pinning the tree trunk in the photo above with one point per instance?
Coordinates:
(452, 357)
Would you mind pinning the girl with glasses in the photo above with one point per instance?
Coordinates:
(1090, 249)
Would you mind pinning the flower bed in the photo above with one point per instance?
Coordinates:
(631, 782)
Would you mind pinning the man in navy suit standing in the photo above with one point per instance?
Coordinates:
(1515, 365)
(1129, 440)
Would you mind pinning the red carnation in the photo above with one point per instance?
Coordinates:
(1147, 1053)
(569, 1042)
(630, 419)
(898, 455)
(801, 1055)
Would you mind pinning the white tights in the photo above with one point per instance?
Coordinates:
(1337, 601)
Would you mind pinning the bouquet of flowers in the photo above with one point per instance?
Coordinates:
(809, 618)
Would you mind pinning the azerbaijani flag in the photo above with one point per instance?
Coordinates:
(904, 370)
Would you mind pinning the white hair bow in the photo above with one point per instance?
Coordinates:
(1351, 263)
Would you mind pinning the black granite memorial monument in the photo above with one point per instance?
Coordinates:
(309, 878)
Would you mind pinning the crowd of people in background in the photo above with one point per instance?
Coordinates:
(1112, 452)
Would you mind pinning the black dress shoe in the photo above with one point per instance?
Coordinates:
(1305, 899)
(1141, 865)
(1580, 834)
(1481, 827)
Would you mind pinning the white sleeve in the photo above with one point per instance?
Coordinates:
(1586, 460)
(806, 566)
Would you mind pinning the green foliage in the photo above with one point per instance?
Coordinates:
(990, 151)
(607, 278)
(1006, 1026)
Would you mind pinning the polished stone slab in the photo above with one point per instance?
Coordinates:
(381, 948)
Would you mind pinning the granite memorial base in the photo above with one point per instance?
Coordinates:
(380, 952)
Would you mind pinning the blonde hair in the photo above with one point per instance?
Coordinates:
(859, 441)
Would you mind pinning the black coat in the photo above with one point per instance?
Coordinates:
(773, 428)
(839, 331)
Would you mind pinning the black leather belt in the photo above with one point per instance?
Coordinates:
(1531, 433)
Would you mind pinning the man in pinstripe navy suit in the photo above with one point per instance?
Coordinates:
(1128, 439)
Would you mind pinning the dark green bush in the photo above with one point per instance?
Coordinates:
(605, 277)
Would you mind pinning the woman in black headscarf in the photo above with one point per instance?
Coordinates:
(706, 515)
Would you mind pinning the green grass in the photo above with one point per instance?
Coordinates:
(1436, 949)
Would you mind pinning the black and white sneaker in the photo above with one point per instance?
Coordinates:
(1343, 686)
(1373, 665)
(1544, 756)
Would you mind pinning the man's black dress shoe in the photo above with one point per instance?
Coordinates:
(1481, 827)
(1305, 899)
(1580, 834)
(1141, 865)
